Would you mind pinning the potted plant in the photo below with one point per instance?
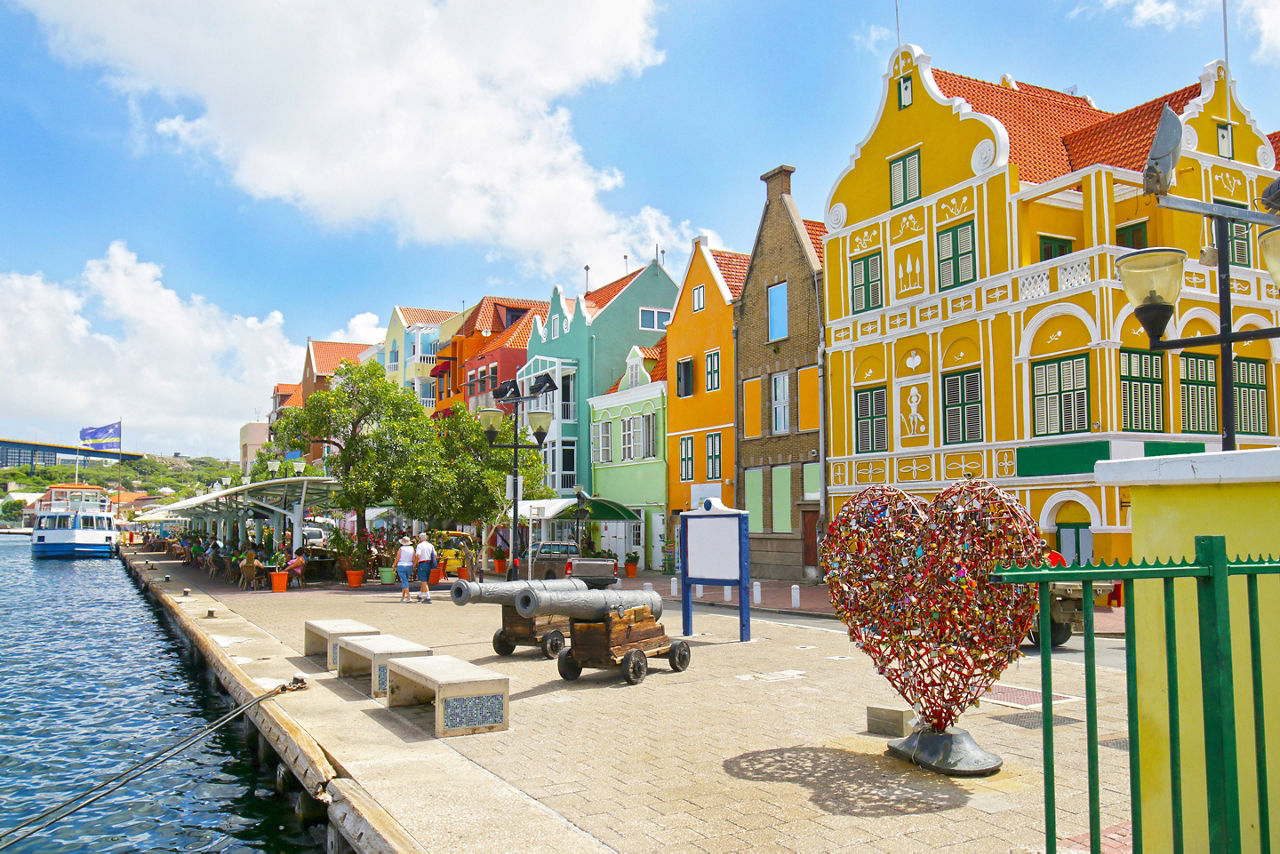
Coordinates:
(344, 550)
(631, 563)
(499, 555)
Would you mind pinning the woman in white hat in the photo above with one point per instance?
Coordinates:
(404, 567)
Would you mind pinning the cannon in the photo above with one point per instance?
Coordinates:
(607, 628)
(545, 631)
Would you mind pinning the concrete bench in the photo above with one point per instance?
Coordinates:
(360, 654)
(321, 636)
(467, 699)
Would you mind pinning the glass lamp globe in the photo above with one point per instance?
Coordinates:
(1152, 280)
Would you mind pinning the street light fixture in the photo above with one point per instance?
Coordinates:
(539, 422)
(273, 466)
(1152, 278)
(298, 466)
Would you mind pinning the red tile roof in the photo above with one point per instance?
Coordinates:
(601, 296)
(485, 314)
(285, 389)
(1275, 142)
(294, 398)
(515, 336)
(817, 231)
(327, 355)
(411, 316)
(659, 371)
(1125, 138)
(1035, 118)
(733, 267)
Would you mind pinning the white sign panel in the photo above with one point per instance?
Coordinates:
(714, 547)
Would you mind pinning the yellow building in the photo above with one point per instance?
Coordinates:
(975, 325)
(408, 351)
(700, 377)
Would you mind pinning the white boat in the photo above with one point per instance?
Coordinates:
(74, 520)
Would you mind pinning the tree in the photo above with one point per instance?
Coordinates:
(366, 421)
(451, 473)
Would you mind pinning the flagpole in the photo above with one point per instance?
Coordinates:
(119, 463)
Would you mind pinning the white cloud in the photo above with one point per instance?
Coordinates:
(873, 39)
(442, 119)
(363, 328)
(1265, 17)
(1260, 18)
(181, 373)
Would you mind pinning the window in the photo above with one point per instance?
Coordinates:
(699, 298)
(1237, 238)
(957, 264)
(633, 374)
(602, 442)
(1226, 146)
(684, 377)
(555, 326)
(493, 377)
(481, 376)
(777, 311)
(781, 404)
(1053, 247)
(1060, 396)
(871, 419)
(630, 438)
(904, 92)
(568, 463)
(781, 503)
(568, 403)
(866, 282)
(1251, 395)
(1132, 236)
(648, 436)
(904, 179)
(1075, 542)
(962, 407)
(686, 458)
(1199, 393)
(713, 371)
(1141, 391)
(654, 318)
(713, 456)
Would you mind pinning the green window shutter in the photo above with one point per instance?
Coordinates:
(904, 179)
(896, 193)
(1053, 247)
(1141, 391)
(957, 258)
(1199, 393)
(962, 407)
(1133, 236)
(1060, 396)
(866, 283)
(1251, 396)
(780, 501)
(871, 423)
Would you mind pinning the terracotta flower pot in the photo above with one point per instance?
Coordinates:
(500, 564)
(630, 569)
(279, 581)
(354, 578)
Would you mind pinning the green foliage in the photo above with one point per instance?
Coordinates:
(150, 475)
(11, 511)
(632, 557)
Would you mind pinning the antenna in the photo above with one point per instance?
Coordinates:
(626, 267)
(586, 278)
(1226, 52)
(664, 258)
(897, 20)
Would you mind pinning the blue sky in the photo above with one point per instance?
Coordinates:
(192, 190)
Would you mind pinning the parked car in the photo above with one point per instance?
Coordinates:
(456, 551)
(562, 559)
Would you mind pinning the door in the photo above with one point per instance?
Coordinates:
(809, 528)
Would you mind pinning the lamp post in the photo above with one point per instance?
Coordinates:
(580, 513)
(539, 422)
(1152, 278)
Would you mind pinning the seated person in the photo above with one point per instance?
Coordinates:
(295, 566)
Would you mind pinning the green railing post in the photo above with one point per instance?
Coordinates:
(1131, 691)
(1175, 718)
(1259, 717)
(1091, 723)
(1046, 718)
(1219, 699)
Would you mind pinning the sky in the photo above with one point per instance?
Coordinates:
(189, 190)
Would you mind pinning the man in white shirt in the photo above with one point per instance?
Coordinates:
(424, 560)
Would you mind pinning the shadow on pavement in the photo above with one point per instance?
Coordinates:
(846, 783)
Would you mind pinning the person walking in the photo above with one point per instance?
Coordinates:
(424, 560)
(405, 560)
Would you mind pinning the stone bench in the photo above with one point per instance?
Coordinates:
(321, 636)
(361, 654)
(467, 699)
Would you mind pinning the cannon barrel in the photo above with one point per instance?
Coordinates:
(585, 604)
(505, 592)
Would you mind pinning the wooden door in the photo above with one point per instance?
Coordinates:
(809, 527)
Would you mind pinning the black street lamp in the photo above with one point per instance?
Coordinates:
(580, 513)
(1152, 278)
(539, 423)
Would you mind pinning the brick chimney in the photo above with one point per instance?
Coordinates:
(777, 182)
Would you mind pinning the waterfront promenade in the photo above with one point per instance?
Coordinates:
(756, 746)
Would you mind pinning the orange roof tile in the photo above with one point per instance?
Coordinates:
(611, 389)
(485, 314)
(1275, 142)
(601, 296)
(285, 388)
(412, 316)
(1124, 139)
(327, 355)
(126, 497)
(733, 267)
(1035, 118)
(294, 398)
(659, 371)
(817, 231)
(516, 335)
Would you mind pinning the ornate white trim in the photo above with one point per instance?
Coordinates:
(1266, 157)
(836, 216)
(984, 154)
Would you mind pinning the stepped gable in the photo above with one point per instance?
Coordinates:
(516, 335)
(603, 295)
(411, 316)
(817, 233)
(1035, 118)
(486, 314)
(733, 267)
(1124, 139)
(327, 355)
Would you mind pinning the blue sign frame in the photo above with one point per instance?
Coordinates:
(742, 582)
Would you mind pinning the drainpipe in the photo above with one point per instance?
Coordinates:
(823, 400)
(587, 483)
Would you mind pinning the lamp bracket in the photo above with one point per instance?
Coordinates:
(1178, 203)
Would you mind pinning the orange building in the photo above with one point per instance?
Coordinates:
(323, 358)
(700, 371)
(488, 318)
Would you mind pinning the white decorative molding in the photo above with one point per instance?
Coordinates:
(913, 360)
(1034, 285)
(953, 207)
(984, 154)
(910, 224)
(866, 240)
(836, 215)
(1075, 275)
(1266, 157)
(1230, 182)
(1190, 139)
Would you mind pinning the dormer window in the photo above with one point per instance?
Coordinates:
(555, 327)
(904, 92)
(699, 298)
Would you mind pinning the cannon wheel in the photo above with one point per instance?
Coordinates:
(678, 656)
(569, 669)
(634, 667)
(552, 643)
(502, 645)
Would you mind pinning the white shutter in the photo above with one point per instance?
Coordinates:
(913, 177)
(895, 183)
(875, 290)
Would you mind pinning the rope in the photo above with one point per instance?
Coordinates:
(79, 802)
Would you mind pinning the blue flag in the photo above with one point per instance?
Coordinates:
(101, 438)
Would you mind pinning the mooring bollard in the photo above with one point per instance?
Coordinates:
(728, 594)
(166, 576)
(675, 587)
(755, 592)
(795, 596)
(186, 591)
(697, 590)
(209, 615)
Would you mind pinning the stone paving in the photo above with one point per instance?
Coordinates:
(757, 746)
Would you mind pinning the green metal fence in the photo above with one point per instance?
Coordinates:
(1211, 570)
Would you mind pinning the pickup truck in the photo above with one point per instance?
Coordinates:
(561, 559)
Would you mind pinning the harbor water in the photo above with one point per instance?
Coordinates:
(93, 682)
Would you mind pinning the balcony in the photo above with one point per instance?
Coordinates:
(419, 367)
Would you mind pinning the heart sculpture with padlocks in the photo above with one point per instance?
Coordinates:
(911, 580)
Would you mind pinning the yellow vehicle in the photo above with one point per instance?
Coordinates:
(456, 553)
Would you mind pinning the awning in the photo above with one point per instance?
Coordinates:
(260, 499)
(598, 510)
